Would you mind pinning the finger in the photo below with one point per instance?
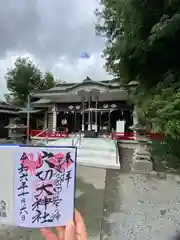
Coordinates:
(80, 225)
(60, 232)
(47, 234)
(70, 231)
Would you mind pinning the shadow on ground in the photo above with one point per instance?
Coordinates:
(90, 204)
(111, 202)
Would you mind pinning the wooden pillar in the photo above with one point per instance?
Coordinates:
(82, 128)
(100, 122)
(109, 120)
(54, 118)
(96, 115)
(89, 113)
(75, 121)
(45, 119)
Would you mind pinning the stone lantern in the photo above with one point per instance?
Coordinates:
(17, 131)
(141, 160)
(132, 86)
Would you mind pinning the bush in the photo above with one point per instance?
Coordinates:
(166, 155)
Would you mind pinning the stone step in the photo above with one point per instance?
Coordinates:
(100, 153)
(97, 149)
(96, 153)
(103, 146)
(98, 162)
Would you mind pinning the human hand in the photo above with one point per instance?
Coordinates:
(74, 230)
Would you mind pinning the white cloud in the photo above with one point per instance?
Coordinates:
(7, 63)
(63, 68)
(53, 35)
(78, 70)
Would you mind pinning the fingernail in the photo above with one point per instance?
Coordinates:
(70, 224)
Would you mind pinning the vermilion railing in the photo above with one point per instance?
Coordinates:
(132, 136)
(119, 135)
(124, 136)
(49, 134)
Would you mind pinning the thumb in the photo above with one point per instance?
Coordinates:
(70, 231)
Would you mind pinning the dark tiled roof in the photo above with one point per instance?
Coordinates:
(7, 106)
(8, 111)
(67, 87)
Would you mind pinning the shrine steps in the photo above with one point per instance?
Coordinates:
(94, 152)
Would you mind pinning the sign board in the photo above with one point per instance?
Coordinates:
(120, 126)
(37, 186)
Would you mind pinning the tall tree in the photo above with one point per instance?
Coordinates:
(24, 78)
(49, 81)
(146, 48)
(143, 45)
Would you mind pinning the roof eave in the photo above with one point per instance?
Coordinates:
(75, 85)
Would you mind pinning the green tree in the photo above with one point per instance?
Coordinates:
(49, 81)
(143, 35)
(143, 45)
(24, 78)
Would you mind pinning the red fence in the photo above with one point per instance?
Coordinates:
(132, 136)
(124, 136)
(119, 136)
(49, 134)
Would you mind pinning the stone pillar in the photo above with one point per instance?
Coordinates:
(141, 160)
(135, 119)
(10, 132)
(54, 118)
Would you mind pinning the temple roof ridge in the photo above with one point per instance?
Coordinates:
(87, 79)
(65, 88)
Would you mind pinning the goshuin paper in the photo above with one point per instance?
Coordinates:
(44, 186)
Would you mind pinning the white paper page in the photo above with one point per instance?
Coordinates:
(44, 186)
(7, 185)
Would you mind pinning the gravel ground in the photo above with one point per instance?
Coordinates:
(139, 207)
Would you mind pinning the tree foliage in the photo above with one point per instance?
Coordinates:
(49, 81)
(143, 44)
(26, 77)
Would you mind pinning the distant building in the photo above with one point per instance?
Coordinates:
(86, 106)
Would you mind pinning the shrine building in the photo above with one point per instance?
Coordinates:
(88, 106)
